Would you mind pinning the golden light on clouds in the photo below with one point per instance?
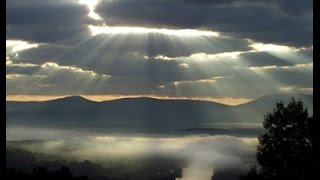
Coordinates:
(177, 83)
(95, 30)
(91, 4)
(16, 76)
(56, 66)
(10, 63)
(26, 98)
(100, 98)
(159, 57)
(210, 57)
(271, 47)
(281, 67)
(17, 45)
(184, 65)
(308, 90)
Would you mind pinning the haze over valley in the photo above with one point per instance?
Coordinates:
(143, 90)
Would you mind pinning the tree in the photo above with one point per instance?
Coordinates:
(286, 150)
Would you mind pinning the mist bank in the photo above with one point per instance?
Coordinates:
(199, 157)
(57, 132)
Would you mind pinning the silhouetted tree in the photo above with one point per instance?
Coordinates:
(286, 150)
(252, 175)
(41, 173)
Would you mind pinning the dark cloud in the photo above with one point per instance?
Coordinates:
(245, 85)
(46, 21)
(159, 63)
(21, 69)
(131, 55)
(263, 59)
(259, 21)
(221, 77)
(294, 7)
(123, 57)
(151, 45)
(296, 76)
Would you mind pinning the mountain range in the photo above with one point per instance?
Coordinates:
(142, 113)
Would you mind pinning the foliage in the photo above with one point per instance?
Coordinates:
(286, 150)
(23, 164)
(40, 173)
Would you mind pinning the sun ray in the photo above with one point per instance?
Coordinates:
(95, 30)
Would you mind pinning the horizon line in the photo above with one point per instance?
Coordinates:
(101, 98)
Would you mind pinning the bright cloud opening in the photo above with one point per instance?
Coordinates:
(91, 5)
(17, 45)
(95, 30)
(281, 67)
(271, 47)
(56, 66)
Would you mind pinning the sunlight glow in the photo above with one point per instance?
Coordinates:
(281, 67)
(271, 47)
(209, 57)
(222, 77)
(263, 67)
(17, 45)
(15, 76)
(177, 83)
(95, 30)
(163, 57)
(211, 80)
(286, 89)
(184, 65)
(54, 66)
(159, 57)
(100, 98)
(91, 4)
(307, 90)
(73, 69)
(11, 64)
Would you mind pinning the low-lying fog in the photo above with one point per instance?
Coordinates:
(200, 156)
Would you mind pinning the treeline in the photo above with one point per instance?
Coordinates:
(289, 149)
(26, 161)
(40, 173)
(23, 164)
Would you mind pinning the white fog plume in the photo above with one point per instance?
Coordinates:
(202, 154)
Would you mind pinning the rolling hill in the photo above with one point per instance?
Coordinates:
(141, 113)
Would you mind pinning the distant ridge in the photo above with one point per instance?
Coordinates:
(141, 113)
(71, 99)
(268, 101)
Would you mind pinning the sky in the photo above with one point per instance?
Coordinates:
(224, 51)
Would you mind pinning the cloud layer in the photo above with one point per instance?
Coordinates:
(269, 22)
(259, 48)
